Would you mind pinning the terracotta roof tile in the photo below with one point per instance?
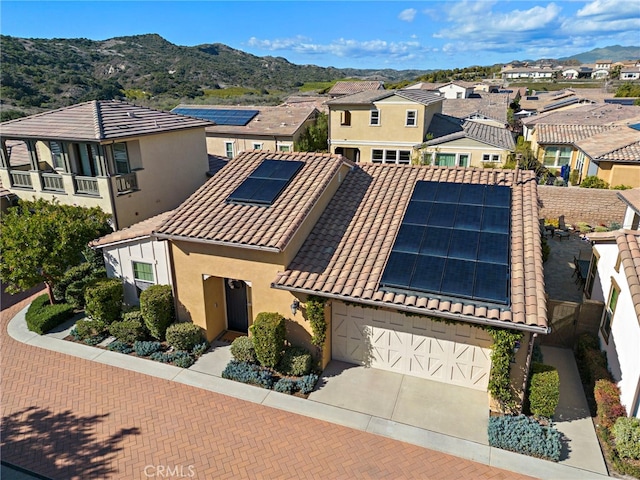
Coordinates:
(629, 246)
(97, 120)
(135, 231)
(206, 216)
(350, 87)
(369, 206)
(491, 105)
(560, 134)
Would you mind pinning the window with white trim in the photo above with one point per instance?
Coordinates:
(121, 159)
(450, 159)
(257, 146)
(609, 311)
(228, 148)
(491, 157)
(374, 117)
(555, 156)
(377, 155)
(399, 157)
(345, 118)
(143, 276)
(412, 118)
(284, 148)
(56, 155)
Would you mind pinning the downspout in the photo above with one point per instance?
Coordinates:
(112, 200)
(527, 367)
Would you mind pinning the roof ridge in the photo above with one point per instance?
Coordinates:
(97, 119)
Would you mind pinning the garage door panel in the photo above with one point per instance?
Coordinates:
(452, 353)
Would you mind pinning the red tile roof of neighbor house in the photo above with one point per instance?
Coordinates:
(96, 121)
(619, 144)
(134, 232)
(344, 256)
(349, 87)
(560, 134)
(207, 217)
(631, 198)
(597, 114)
(491, 105)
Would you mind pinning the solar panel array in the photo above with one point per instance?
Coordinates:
(265, 183)
(220, 116)
(453, 242)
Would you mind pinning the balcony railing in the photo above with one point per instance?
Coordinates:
(127, 182)
(87, 185)
(52, 182)
(20, 179)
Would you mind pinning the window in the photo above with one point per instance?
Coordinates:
(556, 156)
(463, 160)
(610, 311)
(257, 146)
(445, 159)
(491, 157)
(121, 158)
(56, 155)
(345, 118)
(284, 148)
(591, 277)
(402, 157)
(377, 156)
(374, 118)
(143, 272)
(412, 118)
(228, 146)
(390, 156)
(458, 94)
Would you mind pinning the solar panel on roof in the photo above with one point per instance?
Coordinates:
(265, 183)
(453, 242)
(220, 116)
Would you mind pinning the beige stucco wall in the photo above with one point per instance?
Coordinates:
(216, 145)
(619, 174)
(173, 166)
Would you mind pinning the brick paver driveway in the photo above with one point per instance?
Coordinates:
(68, 418)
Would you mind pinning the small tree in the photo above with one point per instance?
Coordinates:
(316, 137)
(156, 306)
(40, 240)
(268, 333)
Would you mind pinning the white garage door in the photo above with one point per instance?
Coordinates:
(457, 353)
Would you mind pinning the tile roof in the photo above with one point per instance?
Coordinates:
(216, 163)
(207, 217)
(628, 242)
(350, 87)
(446, 128)
(559, 134)
(346, 252)
(420, 96)
(616, 144)
(96, 121)
(597, 114)
(490, 105)
(281, 120)
(424, 86)
(18, 153)
(369, 97)
(631, 198)
(136, 231)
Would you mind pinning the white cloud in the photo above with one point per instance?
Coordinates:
(610, 9)
(408, 15)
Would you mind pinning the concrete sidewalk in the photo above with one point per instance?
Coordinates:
(205, 373)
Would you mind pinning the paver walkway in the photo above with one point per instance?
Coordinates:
(69, 418)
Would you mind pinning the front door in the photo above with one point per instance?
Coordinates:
(237, 314)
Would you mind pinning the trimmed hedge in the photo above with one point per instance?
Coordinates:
(296, 361)
(183, 336)
(609, 408)
(544, 390)
(103, 299)
(524, 435)
(42, 316)
(128, 330)
(243, 351)
(74, 274)
(269, 333)
(156, 306)
(87, 328)
(626, 433)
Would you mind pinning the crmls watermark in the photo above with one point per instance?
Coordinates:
(169, 471)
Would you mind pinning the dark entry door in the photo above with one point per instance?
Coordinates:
(237, 316)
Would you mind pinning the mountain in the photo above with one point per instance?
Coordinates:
(49, 73)
(615, 53)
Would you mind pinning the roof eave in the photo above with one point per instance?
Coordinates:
(421, 311)
(204, 241)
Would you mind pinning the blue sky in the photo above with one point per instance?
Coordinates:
(358, 34)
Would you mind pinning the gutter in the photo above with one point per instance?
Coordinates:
(459, 317)
(179, 238)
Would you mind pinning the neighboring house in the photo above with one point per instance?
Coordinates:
(574, 73)
(353, 235)
(348, 87)
(599, 73)
(630, 73)
(450, 90)
(603, 65)
(544, 102)
(133, 162)
(381, 126)
(133, 255)
(235, 129)
(465, 143)
(490, 108)
(561, 138)
(533, 73)
(616, 283)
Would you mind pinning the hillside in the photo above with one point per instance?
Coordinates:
(44, 74)
(615, 53)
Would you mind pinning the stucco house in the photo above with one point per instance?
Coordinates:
(413, 262)
(235, 129)
(133, 162)
(381, 126)
(449, 90)
(465, 143)
(616, 283)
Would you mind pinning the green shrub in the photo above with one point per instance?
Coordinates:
(594, 182)
(144, 349)
(621, 187)
(500, 375)
(609, 409)
(544, 390)
(120, 347)
(243, 351)
(269, 333)
(103, 299)
(307, 383)
(183, 336)
(296, 361)
(524, 435)
(248, 373)
(592, 363)
(74, 274)
(42, 316)
(156, 305)
(183, 360)
(74, 294)
(285, 385)
(87, 328)
(315, 314)
(128, 330)
(626, 433)
(200, 349)
(574, 177)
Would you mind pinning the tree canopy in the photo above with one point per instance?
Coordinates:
(40, 240)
